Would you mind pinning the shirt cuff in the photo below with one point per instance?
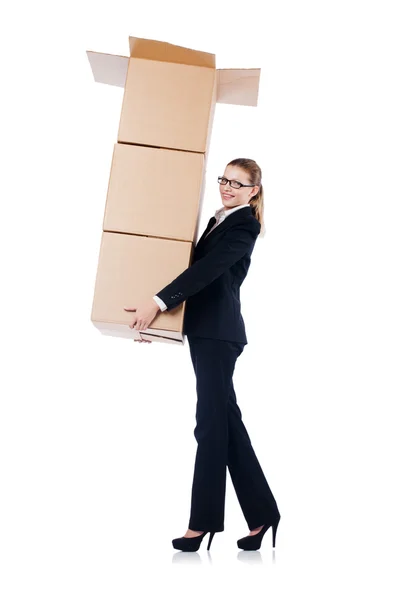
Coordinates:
(161, 304)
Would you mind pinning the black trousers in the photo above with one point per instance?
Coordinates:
(223, 441)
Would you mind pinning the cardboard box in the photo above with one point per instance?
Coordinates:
(153, 191)
(233, 86)
(132, 268)
(168, 104)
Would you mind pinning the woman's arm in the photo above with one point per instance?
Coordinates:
(236, 242)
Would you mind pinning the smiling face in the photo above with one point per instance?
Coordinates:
(231, 196)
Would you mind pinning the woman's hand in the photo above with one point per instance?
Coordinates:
(144, 315)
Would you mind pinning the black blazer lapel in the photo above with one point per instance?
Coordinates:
(211, 222)
(235, 217)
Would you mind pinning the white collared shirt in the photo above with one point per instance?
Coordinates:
(220, 216)
(222, 213)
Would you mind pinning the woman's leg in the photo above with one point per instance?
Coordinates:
(253, 492)
(213, 362)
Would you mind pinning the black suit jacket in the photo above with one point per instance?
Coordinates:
(211, 285)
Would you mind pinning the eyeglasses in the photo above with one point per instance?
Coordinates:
(233, 183)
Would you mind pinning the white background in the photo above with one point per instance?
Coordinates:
(96, 433)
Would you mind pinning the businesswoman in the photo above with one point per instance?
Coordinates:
(216, 334)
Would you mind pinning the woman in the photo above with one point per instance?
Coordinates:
(215, 331)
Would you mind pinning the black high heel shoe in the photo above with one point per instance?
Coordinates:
(253, 542)
(192, 544)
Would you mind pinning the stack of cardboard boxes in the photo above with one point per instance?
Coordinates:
(157, 176)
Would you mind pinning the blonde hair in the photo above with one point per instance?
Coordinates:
(254, 173)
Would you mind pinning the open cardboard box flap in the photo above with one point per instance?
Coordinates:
(234, 86)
